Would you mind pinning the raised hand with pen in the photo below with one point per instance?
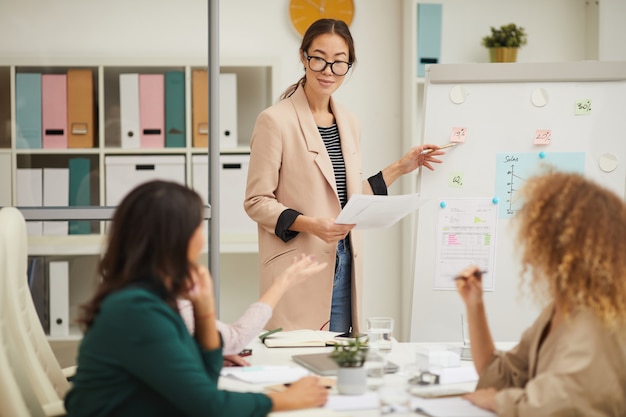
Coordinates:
(469, 286)
(418, 156)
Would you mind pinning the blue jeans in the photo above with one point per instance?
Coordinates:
(341, 307)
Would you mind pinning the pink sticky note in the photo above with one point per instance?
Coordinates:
(458, 134)
(543, 137)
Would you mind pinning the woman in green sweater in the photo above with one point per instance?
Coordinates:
(137, 357)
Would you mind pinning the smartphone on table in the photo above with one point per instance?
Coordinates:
(344, 337)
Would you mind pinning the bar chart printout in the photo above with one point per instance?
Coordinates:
(466, 232)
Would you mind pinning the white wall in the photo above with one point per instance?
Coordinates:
(249, 28)
(101, 28)
(612, 31)
(556, 29)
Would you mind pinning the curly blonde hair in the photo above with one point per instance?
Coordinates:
(573, 232)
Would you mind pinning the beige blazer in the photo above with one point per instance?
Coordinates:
(579, 370)
(290, 168)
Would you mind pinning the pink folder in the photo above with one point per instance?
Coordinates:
(54, 110)
(151, 110)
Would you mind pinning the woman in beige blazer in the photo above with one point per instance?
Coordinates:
(305, 164)
(572, 360)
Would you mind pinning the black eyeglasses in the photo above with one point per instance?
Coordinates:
(319, 64)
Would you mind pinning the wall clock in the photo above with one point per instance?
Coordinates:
(304, 12)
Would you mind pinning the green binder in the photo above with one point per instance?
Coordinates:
(175, 109)
(80, 193)
(28, 111)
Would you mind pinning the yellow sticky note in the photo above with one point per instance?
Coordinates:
(455, 180)
(583, 107)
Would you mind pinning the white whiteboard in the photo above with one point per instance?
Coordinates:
(503, 107)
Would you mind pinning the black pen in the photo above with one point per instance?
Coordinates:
(288, 384)
(477, 274)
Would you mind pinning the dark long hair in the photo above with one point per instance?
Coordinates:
(317, 28)
(147, 242)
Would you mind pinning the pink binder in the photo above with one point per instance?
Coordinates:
(54, 110)
(151, 110)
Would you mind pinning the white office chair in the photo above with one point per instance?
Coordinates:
(24, 333)
(17, 399)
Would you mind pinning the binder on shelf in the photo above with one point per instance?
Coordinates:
(428, 35)
(175, 109)
(30, 194)
(79, 192)
(5, 180)
(59, 284)
(200, 107)
(151, 110)
(129, 110)
(28, 111)
(39, 291)
(80, 108)
(56, 190)
(228, 111)
(54, 110)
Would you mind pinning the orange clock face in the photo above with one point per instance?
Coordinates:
(305, 12)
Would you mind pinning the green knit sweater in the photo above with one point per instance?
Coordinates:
(138, 359)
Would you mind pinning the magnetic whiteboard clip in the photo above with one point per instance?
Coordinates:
(442, 204)
(494, 200)
(542, 154)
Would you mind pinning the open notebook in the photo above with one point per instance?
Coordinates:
(300, 338)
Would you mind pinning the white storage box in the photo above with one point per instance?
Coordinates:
(233, 177)
(123, 173)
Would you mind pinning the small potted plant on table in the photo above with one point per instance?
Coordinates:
(504, 42)
(351, 375)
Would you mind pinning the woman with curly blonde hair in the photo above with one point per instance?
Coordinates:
(572, 360)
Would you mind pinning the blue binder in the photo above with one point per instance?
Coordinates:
(428, 35)
(80, 193)
(175, 109)
(28, 110)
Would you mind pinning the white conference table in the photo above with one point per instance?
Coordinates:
(402, 354)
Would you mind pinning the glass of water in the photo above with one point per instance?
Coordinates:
(375, 367)
(380, 333)
(394, 396)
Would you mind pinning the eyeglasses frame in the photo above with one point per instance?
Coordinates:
(308, 58)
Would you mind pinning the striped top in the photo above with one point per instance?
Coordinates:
(330, 136)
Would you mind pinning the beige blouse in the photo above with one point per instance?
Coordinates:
(579, 370)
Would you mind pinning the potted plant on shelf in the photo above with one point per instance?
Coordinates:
(351, 375)
(504, 42)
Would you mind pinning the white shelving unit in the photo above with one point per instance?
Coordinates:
(256, 80)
